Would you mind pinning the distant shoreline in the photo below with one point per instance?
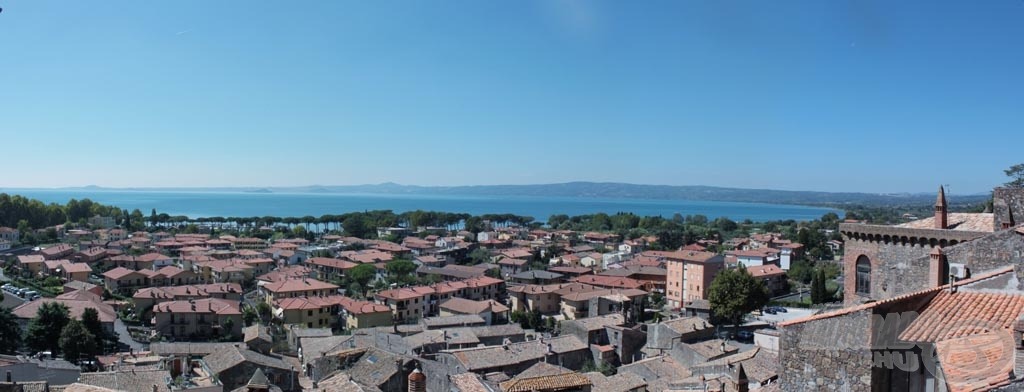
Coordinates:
(594, 190)
(211, 203)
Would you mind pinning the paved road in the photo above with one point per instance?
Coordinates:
(126, 338)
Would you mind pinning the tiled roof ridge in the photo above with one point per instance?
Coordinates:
(857, 308)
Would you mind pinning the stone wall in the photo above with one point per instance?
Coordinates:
(899, 257)
(831, 354)
(895, 268)
(628, 344)
(1007, 201)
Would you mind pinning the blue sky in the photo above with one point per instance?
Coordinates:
(875, 96)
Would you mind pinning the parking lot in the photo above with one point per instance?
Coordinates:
(790, 314)
(10, 290)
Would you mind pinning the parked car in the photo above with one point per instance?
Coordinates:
(769, 310)
(724, 335)
(745, 335)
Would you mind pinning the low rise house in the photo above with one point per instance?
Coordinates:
(774, 278)
(611, 282)
(147, 297)
(10, 234)
(330, 311)
(667, 334)
(235, 366)
(329, 268)
(22, 370)
(755, 257)
(31, 265)
(208, 317)
(788, 253)
(85, 286)
(76, 301)
(629, 302)
(490, 310)
(565, 351)
(411, 303)
(58, 251)
(124, 281)
(570, 271)
(652, 278)
(538, 277)
(291, 288)
(543, 298)
(512, 266)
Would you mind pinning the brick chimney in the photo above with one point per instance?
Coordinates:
(941, 221)
(417, 381)
(742, 382)
(937, 267)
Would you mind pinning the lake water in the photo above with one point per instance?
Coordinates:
(228, 204)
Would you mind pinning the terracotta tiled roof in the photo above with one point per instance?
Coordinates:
(468, 382)
(76, 267)
(291, 285)
(681, 255)
(570, 270)
(957, 314)
(29, 259)
(479, 358)
(207, 305)
(510, 261)
(118, 273)
(561, 288)
(687, 325)
(333, 263)
(767, 270)
(76, 306)
(977, 363)
(858, 308)
(556, 382)
(610, 281)
(978, 222)
(468, 306)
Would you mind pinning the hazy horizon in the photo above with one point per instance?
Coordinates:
(872, 97)
(242, 188)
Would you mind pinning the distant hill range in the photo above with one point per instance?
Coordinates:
(603, 190)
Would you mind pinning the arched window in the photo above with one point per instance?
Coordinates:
(863, 275)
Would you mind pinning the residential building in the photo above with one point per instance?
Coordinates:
(76, 301)
(774, 278)
(566, 351)
(188, 319)
(538, 277)
(689, 274)
(756, 257)
(10, 234)
(511, 266)
(330, 311)
(543, 298)
(628, 302)
(146, 298)
(58, 251)
(123, 280)
(789, 253)
(235, 366)
(291, 288)
(490, 310)
(102, 222)
(412, 303)
(329, 268)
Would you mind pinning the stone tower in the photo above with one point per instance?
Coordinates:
(941, 221)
